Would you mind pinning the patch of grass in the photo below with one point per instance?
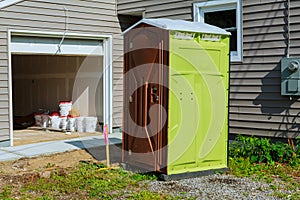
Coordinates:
(250, 156)
(271, 173)
(89, 180)
(5, 193)
(142, 177)
(149, 195)
(260, 159)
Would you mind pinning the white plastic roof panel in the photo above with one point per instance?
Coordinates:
(6, 3)
(181, 25)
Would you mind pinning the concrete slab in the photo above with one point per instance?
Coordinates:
(46, 148)
(5, 155)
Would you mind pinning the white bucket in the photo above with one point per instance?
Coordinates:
(38, 119)
(65, 107)
(90, 124)
(63, 123)
(80, 124)
(45, 121)
(71, 123)
(55, 122)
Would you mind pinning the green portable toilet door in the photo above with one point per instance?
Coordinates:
(198, 105)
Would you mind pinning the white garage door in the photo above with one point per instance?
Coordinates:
(46, 45)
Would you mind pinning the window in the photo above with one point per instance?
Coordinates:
(225, 14)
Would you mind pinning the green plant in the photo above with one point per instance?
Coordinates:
(143, 176)
(49, 165)
(6, 193)
(262, 150)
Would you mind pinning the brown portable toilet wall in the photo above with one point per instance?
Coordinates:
(146, 60)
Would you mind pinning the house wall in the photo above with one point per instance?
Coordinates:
(256, 105)
(85, 17)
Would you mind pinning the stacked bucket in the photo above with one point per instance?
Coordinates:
(61, 120)
(64, 110)
(66, 120)
(86, 124)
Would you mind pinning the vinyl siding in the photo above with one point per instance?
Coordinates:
(173, 9)
(256, 105)
(95, 17)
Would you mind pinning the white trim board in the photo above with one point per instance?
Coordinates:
(215, 3)
(43, 45)
(10, 94)
(7, 3)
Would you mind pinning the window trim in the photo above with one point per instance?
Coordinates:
(218, 5)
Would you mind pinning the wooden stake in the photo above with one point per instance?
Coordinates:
(105, 132)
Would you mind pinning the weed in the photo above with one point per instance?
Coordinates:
(6, 193)
(49, 165)
(262, 150)
(141, 177)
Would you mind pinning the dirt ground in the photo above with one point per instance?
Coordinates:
(29, 136)
(45, 162)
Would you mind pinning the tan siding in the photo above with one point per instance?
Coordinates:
(264, 132)
(57, 26)
(177, 9)
(3, 56)
(3, 69)
(4, 104)
(4, 134)
(3, 63)
(263, 7)
(3, 41)
(60, 20)
(250, 46)
(3, 49)
(256, 105)
(3, 83)
(3, 111)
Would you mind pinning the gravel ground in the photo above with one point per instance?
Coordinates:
(218, 187)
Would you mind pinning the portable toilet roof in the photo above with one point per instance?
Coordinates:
(181, 25)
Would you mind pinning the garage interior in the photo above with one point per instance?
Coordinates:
(41, 81)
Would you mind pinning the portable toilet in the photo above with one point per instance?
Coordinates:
(175, 117)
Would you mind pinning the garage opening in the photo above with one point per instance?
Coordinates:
(45, 76)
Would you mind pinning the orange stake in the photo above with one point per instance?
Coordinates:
(105, 133)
